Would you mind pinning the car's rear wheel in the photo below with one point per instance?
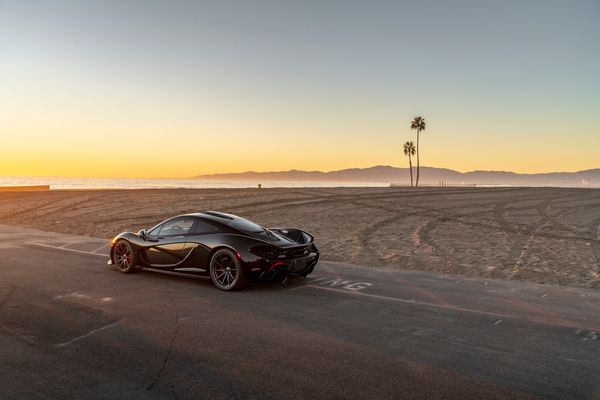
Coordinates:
(124, 257)
(226, 270)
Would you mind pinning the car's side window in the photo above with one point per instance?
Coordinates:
(203, 227)
(176, 227)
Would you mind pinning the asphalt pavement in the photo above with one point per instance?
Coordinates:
(73, 327)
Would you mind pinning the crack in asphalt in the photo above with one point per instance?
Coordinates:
(90, 333)
(169, 351)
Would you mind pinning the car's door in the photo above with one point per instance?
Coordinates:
(197, 245)
(170, 242)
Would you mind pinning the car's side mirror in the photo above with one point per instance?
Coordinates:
(143, 233)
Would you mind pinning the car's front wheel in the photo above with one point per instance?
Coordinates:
(124, 257)
(226, 270)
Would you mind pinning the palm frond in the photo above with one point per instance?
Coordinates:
(409, 148)
(418, 123)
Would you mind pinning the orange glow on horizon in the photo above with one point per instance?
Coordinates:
(141, 138)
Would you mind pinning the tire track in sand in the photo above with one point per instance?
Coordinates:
(513, 262)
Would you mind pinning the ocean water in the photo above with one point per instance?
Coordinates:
(131, 183)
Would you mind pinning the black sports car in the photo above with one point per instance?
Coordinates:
(230, 249)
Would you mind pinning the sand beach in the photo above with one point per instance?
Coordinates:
(542, 235)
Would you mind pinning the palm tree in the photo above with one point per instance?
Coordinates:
(418, 123)
(409, 150)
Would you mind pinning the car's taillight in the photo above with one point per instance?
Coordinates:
(265, 251)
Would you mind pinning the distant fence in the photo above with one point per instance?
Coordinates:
(441, 184)
(494, 185)
(24, 188)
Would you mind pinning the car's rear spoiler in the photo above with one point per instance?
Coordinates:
(297, 235)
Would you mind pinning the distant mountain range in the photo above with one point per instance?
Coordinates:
(429, 175)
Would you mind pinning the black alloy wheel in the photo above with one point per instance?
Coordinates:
(226, 271)
(123, 257)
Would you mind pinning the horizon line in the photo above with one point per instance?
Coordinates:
(297, 170)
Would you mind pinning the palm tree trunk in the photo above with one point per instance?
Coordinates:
(411, 176)
(418, 165)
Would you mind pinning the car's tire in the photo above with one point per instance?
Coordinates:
(226, 270)
(123, 257)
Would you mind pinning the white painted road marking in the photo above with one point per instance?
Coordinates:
(590, 336)
(103, 247)
(66, 249)
(444, 306)
(64, 246)
(348, 285)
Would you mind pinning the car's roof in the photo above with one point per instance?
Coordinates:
(229, 220)
(223, 218)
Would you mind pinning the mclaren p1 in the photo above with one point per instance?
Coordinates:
(231, 250)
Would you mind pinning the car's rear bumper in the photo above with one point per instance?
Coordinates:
(297, 266)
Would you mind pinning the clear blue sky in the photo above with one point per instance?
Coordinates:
(511, 85)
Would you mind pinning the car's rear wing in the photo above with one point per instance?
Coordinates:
(297, 235)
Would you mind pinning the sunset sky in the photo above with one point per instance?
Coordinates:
(176, 89)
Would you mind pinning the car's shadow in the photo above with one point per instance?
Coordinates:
(291, 282)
